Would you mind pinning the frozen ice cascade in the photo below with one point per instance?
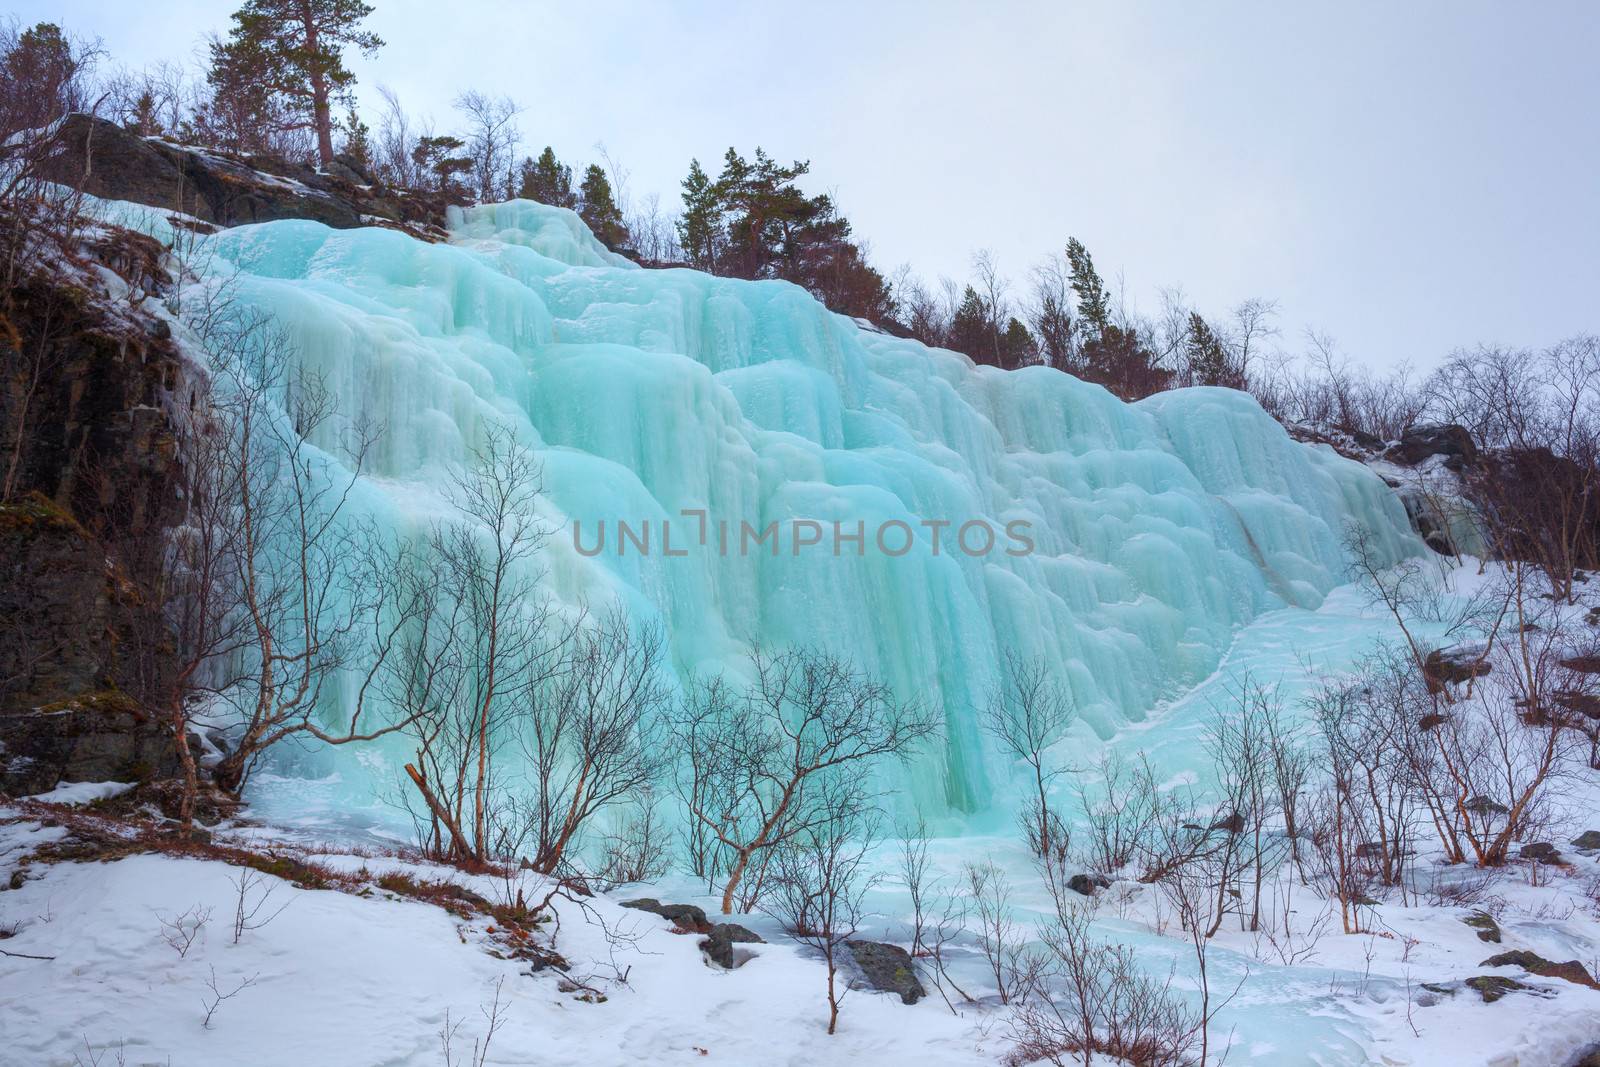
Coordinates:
(1160, 528)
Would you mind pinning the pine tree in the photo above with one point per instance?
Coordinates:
(1206, 359)
(1094, 307)
(599, 210)
(700, 229)
(357, 146)
(286, 57)
(39, 79)
(442, 158)
(766, 213)
(1017, 346)
(547, 180)
(971, 332)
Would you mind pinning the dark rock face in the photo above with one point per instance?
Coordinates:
(719, 946)
(1571, 971)
(1587, 839)
(84, 650)
(1418, 443)
(888, 969)
(1542, 851)
(686, 916)
(225, 190)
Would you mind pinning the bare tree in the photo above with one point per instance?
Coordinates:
(749, 760)
(275, 592)
(1027, 715)
(1120, 806)
(1049, 312)
(590, 731)
(491, 138)
(821, 876)
(490, 640)
(1091, 998)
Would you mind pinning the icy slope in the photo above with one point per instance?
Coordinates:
(1159, 528)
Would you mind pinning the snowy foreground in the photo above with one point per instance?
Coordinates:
(361, 975)
(120, 945)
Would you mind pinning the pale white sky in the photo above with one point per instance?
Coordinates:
(1408, 176)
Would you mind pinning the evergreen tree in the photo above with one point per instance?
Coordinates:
(765, 212)
(700, 228)
(441, 157)
(754, 221)
(1094, 307)
(39, 79)
(285, 59)
(1206, 359)
(1017, 346)
(599, 210)
(357, 145)
(971, 332)
(547, 180)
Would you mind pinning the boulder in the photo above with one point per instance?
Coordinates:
(1571, 971)
(1579, 703)
(1419, 443)
(685, 916)
(1086, 884)
(719, 946)
(1587, 839)
(1232, 823)
(888, 968)
(1541, 852)
(1484, 806)
(1483, 922)
(1491, 987)
(1452, 666)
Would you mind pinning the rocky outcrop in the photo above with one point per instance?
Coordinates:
(221, 190)
(1420, 443)
(1540, 852)
(93, 477)
(1086, 884)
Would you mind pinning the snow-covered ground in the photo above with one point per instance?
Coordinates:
(362, 974)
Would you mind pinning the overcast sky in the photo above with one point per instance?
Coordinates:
(1410, 177)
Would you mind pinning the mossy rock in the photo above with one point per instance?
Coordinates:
(36, 513)
(1491, 987)
(1483, 922)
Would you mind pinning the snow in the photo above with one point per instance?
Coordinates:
(340, 978)
(75, 793)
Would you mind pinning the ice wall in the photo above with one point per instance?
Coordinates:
(1160, 527)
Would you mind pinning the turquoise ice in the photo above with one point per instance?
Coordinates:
(1160, 528)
